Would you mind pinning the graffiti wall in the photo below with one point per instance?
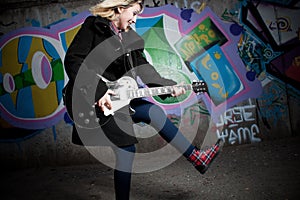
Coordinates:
(248, 54)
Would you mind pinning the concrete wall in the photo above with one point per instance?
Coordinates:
(269, 111)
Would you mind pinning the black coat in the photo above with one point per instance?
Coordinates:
(96, 49)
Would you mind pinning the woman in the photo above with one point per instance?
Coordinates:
(117, 50)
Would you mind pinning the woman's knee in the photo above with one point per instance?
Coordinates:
(147, 112)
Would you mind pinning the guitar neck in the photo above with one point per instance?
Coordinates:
(155, 91)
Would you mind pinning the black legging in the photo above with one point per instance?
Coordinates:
(122, 174)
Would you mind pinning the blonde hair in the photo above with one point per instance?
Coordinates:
(108, 8)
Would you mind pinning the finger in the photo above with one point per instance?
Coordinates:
(108, 105)
(183, 91)
(98, 103)
(175, 92)
(111, 92)
(103, 106)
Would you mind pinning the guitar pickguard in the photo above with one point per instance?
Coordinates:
(121, 89)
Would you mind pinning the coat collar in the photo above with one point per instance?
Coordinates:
(131, 40)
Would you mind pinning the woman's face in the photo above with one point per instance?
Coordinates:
(128, 16)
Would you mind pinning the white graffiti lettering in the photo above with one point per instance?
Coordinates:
(236, 115)
(241, 135)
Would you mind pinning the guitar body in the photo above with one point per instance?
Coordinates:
(82, 113)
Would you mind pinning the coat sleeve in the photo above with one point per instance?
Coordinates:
(86, 78)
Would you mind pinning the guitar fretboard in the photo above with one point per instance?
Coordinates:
(148, 92)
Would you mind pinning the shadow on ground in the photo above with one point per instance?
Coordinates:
(266, 170)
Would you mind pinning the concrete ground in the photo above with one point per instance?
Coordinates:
(266, 170)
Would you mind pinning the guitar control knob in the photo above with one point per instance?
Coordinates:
(97, 120)
(86, 121)
(80, 114)
(91, 113)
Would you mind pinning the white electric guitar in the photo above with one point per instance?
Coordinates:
(125, 89)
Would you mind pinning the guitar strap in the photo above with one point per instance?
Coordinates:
(134, 76)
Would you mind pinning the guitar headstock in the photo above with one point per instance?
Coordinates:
(199, 87)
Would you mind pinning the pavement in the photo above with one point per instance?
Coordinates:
(266, 170)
